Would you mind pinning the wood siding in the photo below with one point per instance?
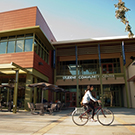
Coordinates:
(45, 68)
(18, 19)
(23, 59)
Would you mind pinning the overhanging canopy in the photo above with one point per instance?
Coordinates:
(10, 68)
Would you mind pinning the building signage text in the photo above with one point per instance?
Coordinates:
(87, 77)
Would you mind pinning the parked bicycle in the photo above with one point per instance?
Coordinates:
(80, 116)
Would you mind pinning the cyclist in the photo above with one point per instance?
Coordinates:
(86, 101)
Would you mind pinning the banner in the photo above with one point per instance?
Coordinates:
(54, 58)
(99, 55)
(76, 56)
(123, 53)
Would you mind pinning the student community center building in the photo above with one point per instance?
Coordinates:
(29, 53)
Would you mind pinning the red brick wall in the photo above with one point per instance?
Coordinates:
(18, 19)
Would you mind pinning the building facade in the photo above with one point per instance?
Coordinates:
(29, 53)
(25, 46)
(103, 63)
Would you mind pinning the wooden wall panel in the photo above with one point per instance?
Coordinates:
(18, 19)
(23, 59)
(89, 57)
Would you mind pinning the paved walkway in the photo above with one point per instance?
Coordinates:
(60, 123)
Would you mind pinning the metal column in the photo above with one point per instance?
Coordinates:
(125, 77)
(100, 70)
(77, 80)
(15, 92)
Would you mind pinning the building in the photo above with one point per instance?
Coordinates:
(29, 53)
(25, 46)
(108, 64)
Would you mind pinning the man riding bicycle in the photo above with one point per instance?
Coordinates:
(86, 101)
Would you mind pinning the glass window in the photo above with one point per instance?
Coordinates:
(29, 35)
(11, 47)
(19, 45)
(38, 49)
(3, 38)
(35, 46)
(12, 37)
(44, 55)
(28, 45)
(20, 36)
(3, 46)
(41, 52)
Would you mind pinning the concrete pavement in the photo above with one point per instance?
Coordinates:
(60, 123)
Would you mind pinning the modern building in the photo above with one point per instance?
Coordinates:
(108, 64)
(29, 53)
(25, 47)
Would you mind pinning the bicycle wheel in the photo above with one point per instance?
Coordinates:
(80, 118)
(105, 117)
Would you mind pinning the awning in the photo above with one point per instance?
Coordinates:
(131, 78)
(10, 68)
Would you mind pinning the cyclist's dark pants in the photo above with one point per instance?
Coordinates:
(90, 106)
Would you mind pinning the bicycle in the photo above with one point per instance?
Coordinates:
(80, 116)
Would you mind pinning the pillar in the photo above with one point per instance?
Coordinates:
(28, 90)
(15, 92)
(77, 80)
(125, 76)
(35, 91)
(100, 76)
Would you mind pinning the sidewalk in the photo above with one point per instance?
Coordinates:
(60, 123)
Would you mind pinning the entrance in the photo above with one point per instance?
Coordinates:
(70, 98)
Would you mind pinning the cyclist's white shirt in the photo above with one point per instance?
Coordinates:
(87, 97)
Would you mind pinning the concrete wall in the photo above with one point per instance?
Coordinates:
(131, 74)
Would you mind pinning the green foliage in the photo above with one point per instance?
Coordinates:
(120, 14)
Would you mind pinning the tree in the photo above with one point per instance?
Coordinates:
(120, 14)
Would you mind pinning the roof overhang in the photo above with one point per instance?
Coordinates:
(10, 68)
(94, 41)
(34, 29)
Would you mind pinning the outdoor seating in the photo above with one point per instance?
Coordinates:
(59, 106)
(1, 107)
(32, 108)
(40, 106)
(52, 108)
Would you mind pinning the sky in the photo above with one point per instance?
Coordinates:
(78, 19)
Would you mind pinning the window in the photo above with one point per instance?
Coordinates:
(3, 47)
(28, 45)
(19, 45)
(20, 36)
(107, 68)
(11, 47)
(35, 47)
(110, 65)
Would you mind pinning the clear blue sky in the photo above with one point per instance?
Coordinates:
(78, 19)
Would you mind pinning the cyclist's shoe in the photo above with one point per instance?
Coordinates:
(92, 120)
